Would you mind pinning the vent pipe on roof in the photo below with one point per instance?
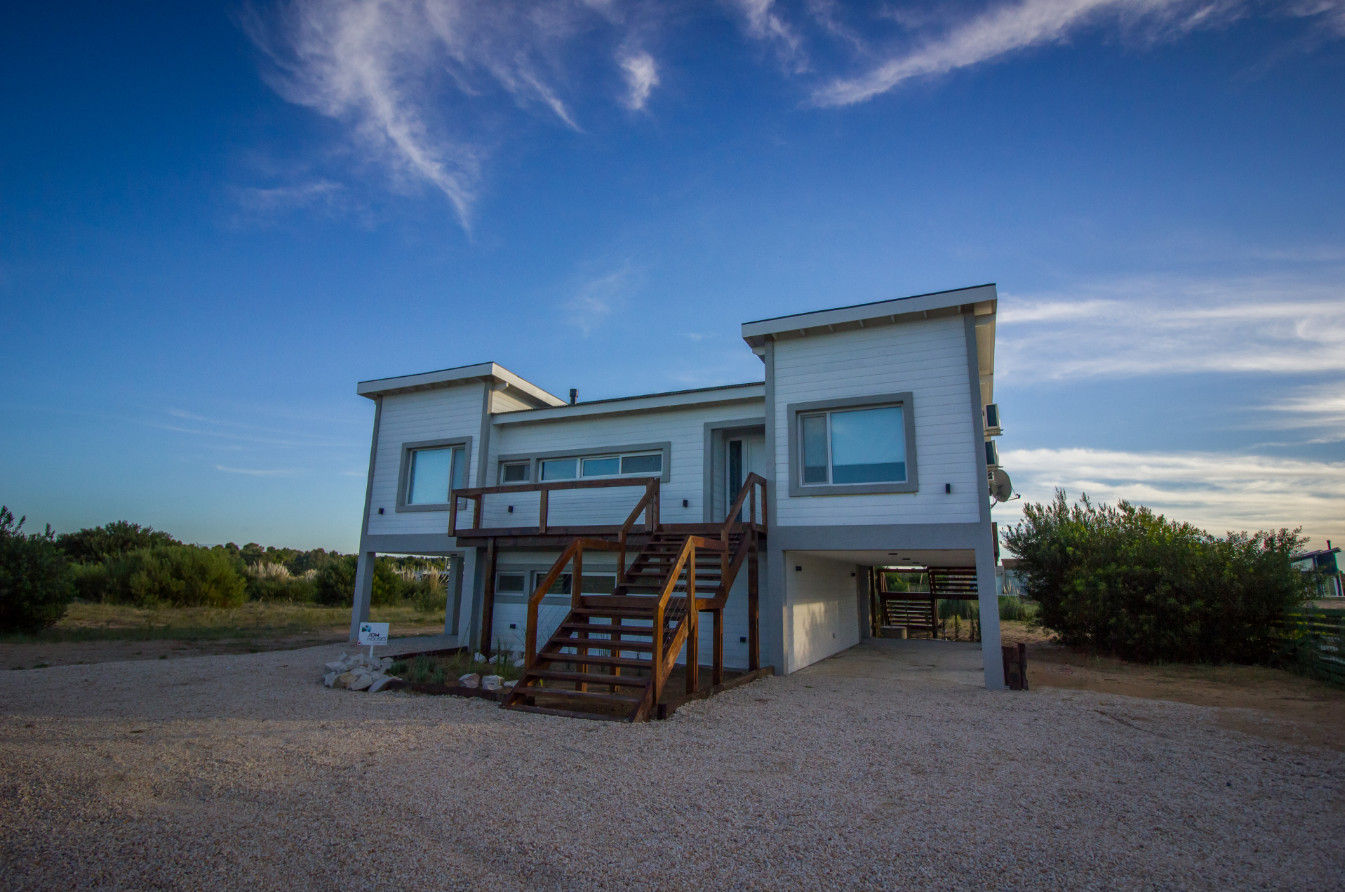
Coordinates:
(574, 395)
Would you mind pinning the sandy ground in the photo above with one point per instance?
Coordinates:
(886, 766)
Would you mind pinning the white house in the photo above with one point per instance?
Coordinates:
(865, 446)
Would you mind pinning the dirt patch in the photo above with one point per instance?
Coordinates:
(1269, 703)
(41, 654)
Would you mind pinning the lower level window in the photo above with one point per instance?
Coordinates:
(434, 472)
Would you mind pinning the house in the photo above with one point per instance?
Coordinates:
(1324, 569)
(578, 528)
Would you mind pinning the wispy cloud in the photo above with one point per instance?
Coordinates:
(276, 199)
(1215, 491)
(1318, 407)
(1160, 326)
(1005, 28)
(764, 22)
(641, 78)
(418, 82)
(598, 298)
(256, 472)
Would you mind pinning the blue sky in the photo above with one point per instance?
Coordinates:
(214, 219)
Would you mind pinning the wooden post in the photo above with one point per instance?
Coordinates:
(476, 511)
(753, 608)
(576, 584)
(717, 675)
(693, 627)
(542, 509)
(453, 516)
(488, 600)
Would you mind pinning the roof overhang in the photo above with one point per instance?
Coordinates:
(489, 372)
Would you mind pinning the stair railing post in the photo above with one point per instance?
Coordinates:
(693, 627)
(542, 499)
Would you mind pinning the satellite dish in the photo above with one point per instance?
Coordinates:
(1001, 487)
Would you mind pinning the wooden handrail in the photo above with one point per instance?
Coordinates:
(574, 552)
(477, 495)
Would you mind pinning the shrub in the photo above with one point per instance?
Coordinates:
(93, 544)
(427, 593)
(335, 582)
(1016, 609)
(1125, 581)
(272, 582)
(91, 582)
(34, 577)
(175, 575)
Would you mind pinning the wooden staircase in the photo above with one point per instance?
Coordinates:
(612, 654)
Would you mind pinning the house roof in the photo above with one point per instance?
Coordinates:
(982, 301)
(481, 371)
(670, 399)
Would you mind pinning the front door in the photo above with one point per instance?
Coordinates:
(744, 454)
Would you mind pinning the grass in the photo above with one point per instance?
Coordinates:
(446, 669)
(255, 620)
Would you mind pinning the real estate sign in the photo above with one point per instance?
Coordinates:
(373, 633)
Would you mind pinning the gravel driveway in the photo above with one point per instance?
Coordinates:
(884, 767)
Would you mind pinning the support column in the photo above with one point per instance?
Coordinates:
(363, 594)
(774, 610)
(488, 601)
(987, 596)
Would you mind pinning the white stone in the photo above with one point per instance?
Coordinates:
(361, 682)
(343, 680)
(491, 682)
(470, 680)
(330, 678)
(478, 657)
(335, 666)
(382, 682)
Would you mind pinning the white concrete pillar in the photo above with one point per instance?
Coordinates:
(363, 594)
(988, 598)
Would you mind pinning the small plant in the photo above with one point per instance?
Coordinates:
(422, 669)
(957, 628)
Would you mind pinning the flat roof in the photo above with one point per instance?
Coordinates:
(856, 315)
(668, 399)
(481, 371)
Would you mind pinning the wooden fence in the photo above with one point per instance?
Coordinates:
(1314, 640)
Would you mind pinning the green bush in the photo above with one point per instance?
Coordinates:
(335, 583)
(426, 593)
(1016, 609)
(1122, 580)
(272, 582)
(91, 582)
(175, 575)
(94, 544)
(34, 577)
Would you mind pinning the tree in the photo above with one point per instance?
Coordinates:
(34, 577)
(110, 540)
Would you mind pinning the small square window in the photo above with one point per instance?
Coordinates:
(606, 466)
(515, 472)
(560, 469)
(433, 472)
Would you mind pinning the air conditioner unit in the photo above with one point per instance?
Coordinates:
(991, 454)
(992, 416)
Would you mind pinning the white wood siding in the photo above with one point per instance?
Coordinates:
(823, 609)
(928, 358)
(683, 429)
(442, 413)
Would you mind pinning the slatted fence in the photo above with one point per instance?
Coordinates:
(1315, 640)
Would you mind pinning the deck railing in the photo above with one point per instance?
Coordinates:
(647, 505)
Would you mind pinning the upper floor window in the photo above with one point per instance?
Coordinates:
(637, 464)
(430, 472)
(864, 445)
(515, 471)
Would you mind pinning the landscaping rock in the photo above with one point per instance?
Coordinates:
(361, 682)
(470, 680)
(330, 678)
(491, 683)
(385, 682)
(344, 680)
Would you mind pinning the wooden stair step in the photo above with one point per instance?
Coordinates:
(567, 713)
(599, 627)
(634, 681)
(583, 696)
(602, 643)
(595, 659)
(633, 612)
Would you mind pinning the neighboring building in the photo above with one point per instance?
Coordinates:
(868, 433)
(1325, 570)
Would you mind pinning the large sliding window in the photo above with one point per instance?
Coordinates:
(852, 446)
(430, 472)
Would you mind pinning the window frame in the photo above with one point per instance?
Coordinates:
(794, 414)
(404, 472)
(499, 472)
(536, 460)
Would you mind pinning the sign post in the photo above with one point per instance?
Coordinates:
(373, 633)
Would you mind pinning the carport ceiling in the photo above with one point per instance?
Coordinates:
(924, 557)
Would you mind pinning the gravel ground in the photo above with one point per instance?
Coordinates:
(884, 767)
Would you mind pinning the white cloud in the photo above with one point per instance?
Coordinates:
(1156, 326)
(1009, 27)
(764, 23)
(641, 78)
(1215, 491)
(417, 81)
(597, 299)
(256, 472)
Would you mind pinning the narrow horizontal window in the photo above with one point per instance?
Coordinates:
(606, 466)
(560, 469)
(649, 463)
(511, 583)
(515, 472)
(598, 583)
